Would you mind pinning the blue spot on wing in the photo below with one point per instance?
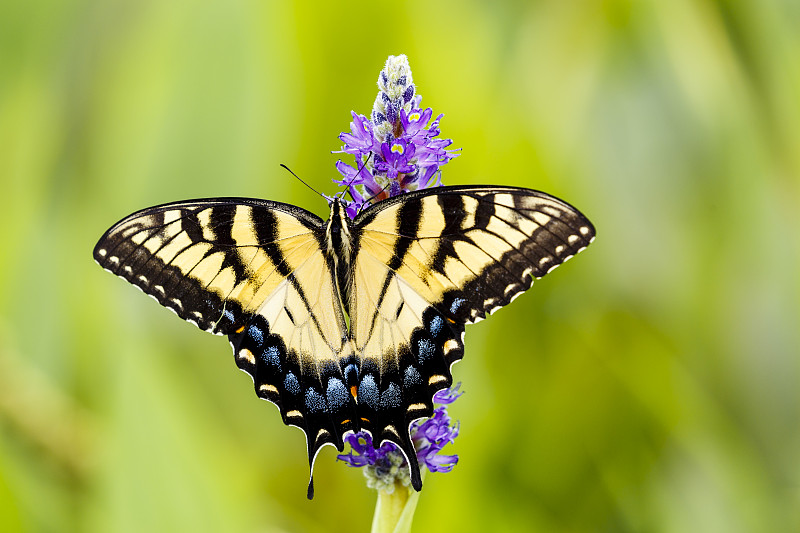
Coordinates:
(315, 402)
(435, 326)
(368, 391)
(411, 377)
(337, 394)
(291, 384)
(457, 302)
(391, 396)
(272, 356)
(255, 333)
(425, 350)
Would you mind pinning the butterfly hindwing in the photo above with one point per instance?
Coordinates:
(406, 347)
(295, 346)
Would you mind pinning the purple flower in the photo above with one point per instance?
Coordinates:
(448, 396)
(395, 158)
(361, 185)
(386, 464)
(415, 122)
(396, 150)
(361, 140)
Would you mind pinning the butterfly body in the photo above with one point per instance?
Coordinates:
(339, 246)
(346, 325)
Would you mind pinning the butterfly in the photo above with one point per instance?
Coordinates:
(346, 325)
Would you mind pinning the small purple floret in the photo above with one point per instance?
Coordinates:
(395, 157)
(430, 436)
(361, 139)
(448, 396)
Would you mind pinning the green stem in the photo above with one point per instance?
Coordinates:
(394, 510)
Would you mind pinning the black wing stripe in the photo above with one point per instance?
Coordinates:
(452, 207)
(266, 227)
(222, 224)
(407, 222)
(484, 212)
(408, 219)
(190, 223)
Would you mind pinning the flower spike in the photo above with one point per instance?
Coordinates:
(396, 149)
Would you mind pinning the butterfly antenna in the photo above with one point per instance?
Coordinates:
(360, 168)
(301, 180)
(369, 200)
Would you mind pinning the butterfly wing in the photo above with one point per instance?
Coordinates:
(427, 264)
(253, 270)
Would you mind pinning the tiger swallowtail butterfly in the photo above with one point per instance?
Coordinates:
(346, 325)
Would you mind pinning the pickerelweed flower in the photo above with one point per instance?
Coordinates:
(396, 149)
(386, 466)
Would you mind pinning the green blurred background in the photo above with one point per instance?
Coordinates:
(650, 385)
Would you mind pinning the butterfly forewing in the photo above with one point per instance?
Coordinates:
(206, 259)
(471, 250)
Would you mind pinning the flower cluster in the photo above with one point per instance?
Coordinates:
(386, 465)
(396, 150)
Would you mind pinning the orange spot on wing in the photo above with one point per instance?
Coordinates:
(241, 329)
